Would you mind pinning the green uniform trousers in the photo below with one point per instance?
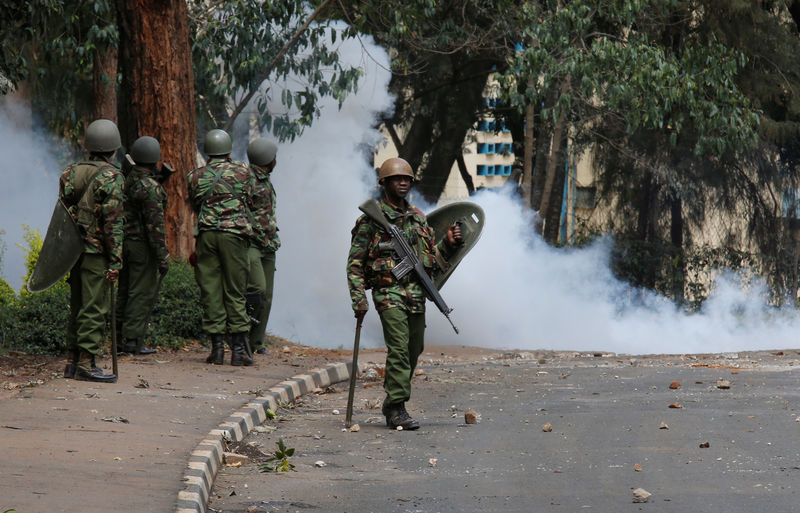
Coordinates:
(88, 304)
(137, 288)
(221, 274)
(260, 283)
(404, 335)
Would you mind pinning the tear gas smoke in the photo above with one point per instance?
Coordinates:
(513, 291)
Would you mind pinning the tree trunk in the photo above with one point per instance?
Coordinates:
(559, 132)
(676, 238)
(157, 99)
(552, 223)
(527, 160)
(462, 168)
(104, 83)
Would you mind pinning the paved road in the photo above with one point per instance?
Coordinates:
(612, 431)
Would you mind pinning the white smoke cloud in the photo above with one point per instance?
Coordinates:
(29, 170)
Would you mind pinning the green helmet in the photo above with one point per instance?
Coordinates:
(102, 136)
(146, 150)
(261, 152)
(217, 143)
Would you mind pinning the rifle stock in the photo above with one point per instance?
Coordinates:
(408, 259)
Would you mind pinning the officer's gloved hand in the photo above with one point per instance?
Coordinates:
(112, 275)
(359, 314)
(163, 267)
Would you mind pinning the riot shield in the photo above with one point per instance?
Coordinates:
(62, 246)
(470, 218)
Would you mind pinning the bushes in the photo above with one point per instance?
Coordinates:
(37, 323)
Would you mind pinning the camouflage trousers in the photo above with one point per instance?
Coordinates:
(221, 274)
(137, 288)
(404, 335)
(88, 304)
(260, 282)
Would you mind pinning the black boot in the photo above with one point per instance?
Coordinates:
(240, 351)
(86, 370)
(139, 348)
(217, 356)
(397, 416)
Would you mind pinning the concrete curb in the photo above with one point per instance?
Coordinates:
(206, 459)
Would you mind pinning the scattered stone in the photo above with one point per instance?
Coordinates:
(419, 372)
(471, 416)
(318, 390)
(320, 464)
(675, 385)
(117, 419)
(432, 462)
(375, 420)
(641, 495)
(335, 412)
(547, 427)
(399, 428)
(142, 384)
(676, 405)
(233, 459)
(355, 428)
(663, 426)
(705, 445)
(287, 349)
(723, 384)
(637, 467)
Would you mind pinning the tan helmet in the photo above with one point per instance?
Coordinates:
(393, 167)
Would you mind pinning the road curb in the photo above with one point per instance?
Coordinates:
(206, 459)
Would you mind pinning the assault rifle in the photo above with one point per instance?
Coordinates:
(408, 260)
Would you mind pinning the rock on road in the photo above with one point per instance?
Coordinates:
(710, 433)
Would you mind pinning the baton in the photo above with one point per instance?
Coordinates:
(353, 374)
(113, 329)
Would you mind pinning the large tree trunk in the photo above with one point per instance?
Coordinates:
(552, 223)
(104, 82)
(559, 132)
(157, 99)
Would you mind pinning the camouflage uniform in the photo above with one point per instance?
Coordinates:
(92, 191)
(221, 194)
(400, 304)
(145, 250)
(262, 256)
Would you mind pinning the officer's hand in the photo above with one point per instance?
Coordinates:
(359, 314)
(163, 267)
(193, 259)
(454, 235)
(112, 275)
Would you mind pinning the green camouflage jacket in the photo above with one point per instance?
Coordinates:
(221, 194)
(266, 226)
(370, 261)
(145, 201)
(92, 191)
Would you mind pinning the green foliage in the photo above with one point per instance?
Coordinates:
(177, 314)
(7, 295)
(279, 462)
(236, 41)
(36, 323)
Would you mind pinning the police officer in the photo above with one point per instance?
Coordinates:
(221, 194)
(145, 250)
(261, 154)
(400, 303)
(92, 191)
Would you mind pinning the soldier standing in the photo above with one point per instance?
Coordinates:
(92, 191)
(145, 250)
(221, 194)
(400, 303)
(261, 153)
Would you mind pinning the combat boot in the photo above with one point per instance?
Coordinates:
(217, 356)
(86, 370)
(397, 416)
(240, 351)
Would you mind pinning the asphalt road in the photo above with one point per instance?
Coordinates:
(723, 450)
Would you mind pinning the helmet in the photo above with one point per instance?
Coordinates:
(261, 152)
(146, 150)
(102, 136)
(217, 142)
(393, 167)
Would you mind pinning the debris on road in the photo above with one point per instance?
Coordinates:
(117, 419)
(232, 459)
(547, 427)
(723, 384)
(355, 428)
(320, 464)
(663, 426)
(675, 385)
(705, 445)
(471, 416)
(641, 495)
(432, 462)
(676, 405)
(637, 467)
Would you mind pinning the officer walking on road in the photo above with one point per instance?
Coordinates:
(221, 194)
(92, 191)
(145, 250)
(261, 153)
(400, 303)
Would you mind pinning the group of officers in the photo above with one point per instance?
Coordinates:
(122, 221)
(120, 216)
